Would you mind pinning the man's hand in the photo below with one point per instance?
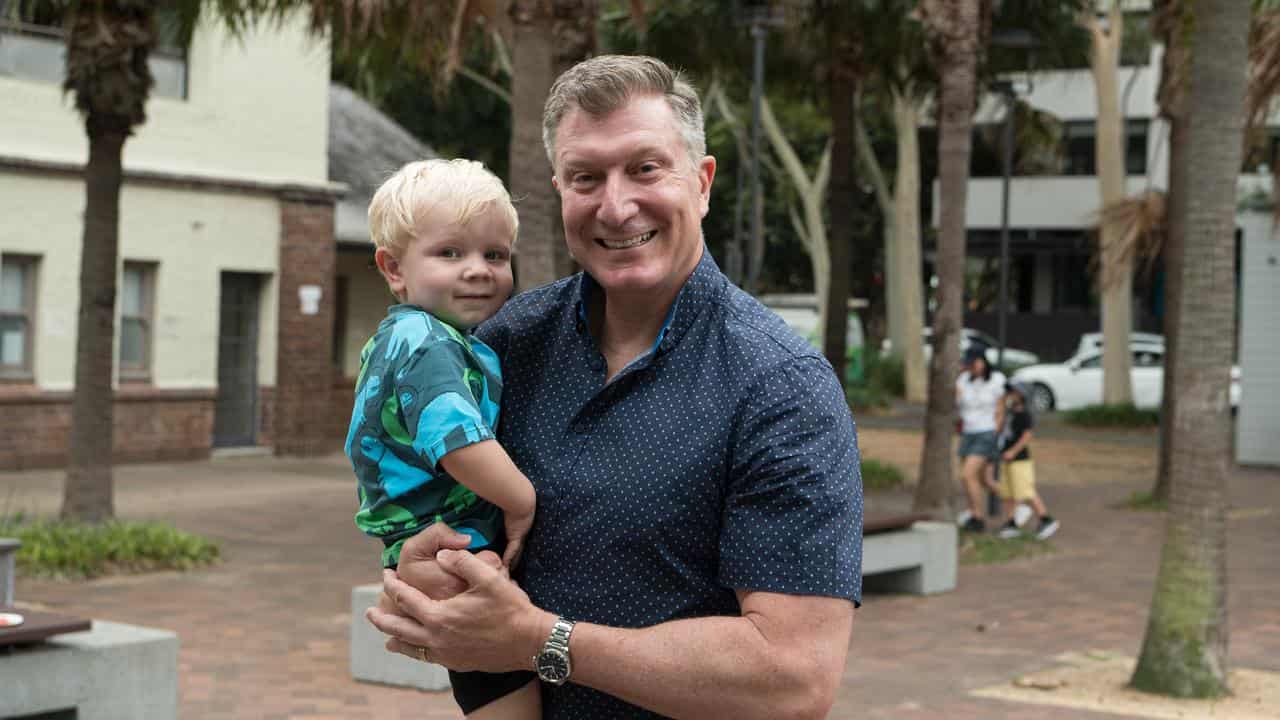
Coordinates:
(418, 565)
(491, 626)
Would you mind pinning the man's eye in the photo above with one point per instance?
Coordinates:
(581, 178)
(647, 168)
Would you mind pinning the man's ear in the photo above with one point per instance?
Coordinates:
(389, 266)
(555, 182)
(706, 174)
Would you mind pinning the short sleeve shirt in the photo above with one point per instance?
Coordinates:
(425, 389)
(977, 399)
(723, 459)
(1020, 421)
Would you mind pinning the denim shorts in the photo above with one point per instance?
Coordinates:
(980, 443)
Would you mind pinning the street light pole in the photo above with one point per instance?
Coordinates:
(1003, 310)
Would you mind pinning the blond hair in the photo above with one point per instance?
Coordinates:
(603, 84)
(463, 186)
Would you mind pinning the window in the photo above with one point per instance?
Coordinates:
(32, 46)
(1092, 362)
(17, 315)
(1148, 358)
(136, 300)
(1079, 138)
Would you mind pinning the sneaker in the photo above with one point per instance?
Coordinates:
(963, 518)
(974, 525)
(1021, 514)
(1009, 531)
(1048, 526)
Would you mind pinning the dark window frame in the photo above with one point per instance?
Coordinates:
(148, 271)
(24, 372)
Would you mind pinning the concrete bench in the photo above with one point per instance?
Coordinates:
(8, 553)
(371, 662)
(908, 554)
(109, 672)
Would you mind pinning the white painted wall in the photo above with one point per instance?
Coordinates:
(192, 235)
(257, 109)
(367, 301)
(1258, 422)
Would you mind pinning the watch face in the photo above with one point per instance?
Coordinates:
(553, 666)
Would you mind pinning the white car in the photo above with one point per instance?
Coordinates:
(1078, 381)
(1090, 342)
(968, 337)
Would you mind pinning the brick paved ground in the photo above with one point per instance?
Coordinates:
(264, 634)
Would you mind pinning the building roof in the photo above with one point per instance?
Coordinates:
(365, 148)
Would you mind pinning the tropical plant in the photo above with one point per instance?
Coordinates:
(956, 31)
(1184, 650)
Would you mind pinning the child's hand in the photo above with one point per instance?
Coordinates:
(518, 525)
(1008, 455)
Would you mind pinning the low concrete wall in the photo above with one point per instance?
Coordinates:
(919, 560)
(110, 672)
(371, 662)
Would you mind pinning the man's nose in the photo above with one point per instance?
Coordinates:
(617, 202)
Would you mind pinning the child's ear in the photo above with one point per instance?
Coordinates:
(389, 266)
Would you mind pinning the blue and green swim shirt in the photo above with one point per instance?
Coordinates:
(424, 390)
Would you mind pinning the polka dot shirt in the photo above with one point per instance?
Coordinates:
(724, 459)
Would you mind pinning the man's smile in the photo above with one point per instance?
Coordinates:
(627, 242)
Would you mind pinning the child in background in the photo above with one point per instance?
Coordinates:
(1018, 474)
(421, 438)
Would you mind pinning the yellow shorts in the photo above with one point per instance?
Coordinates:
(1018, 480)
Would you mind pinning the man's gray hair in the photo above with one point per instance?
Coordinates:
(603, 84)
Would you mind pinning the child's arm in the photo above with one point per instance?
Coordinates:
(485, 469)
(1023, 440)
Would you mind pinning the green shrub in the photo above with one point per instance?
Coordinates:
(878, 475)
(886, 372)
(1115, 416)
(989, 549)
(866, 397)
(58, 549)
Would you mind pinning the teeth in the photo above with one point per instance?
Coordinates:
(629, 242)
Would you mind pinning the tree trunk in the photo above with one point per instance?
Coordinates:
(1175, 213)
(842, 86)
(534, 60)
(954, 30)
(88, 492)
(575, 37)
(1184, 652)
(907, 282)
(1116, 276)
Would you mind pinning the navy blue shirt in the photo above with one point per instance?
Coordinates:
(724, 459)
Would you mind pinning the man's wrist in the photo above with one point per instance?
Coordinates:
(540, 625)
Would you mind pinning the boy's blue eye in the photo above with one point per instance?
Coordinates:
(449, 253)
(495, 255)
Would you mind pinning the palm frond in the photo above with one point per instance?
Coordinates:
(1264, 65)
(1140, 220)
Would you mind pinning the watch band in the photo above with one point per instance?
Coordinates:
(559, 637)
(552, 662)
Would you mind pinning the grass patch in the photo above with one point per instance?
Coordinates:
(1112, 416)
(982, 549)
(1143, 500)
(67, 550)
(878, 475)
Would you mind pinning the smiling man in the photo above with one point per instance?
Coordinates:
(697, 546)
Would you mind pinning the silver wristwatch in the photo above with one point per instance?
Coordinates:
(552, 662)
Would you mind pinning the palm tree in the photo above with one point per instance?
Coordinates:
(1184, 651)
(955, 30)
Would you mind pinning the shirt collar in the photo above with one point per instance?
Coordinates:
(698, 291)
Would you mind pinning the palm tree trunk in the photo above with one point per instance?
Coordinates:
(534, 58)
(1184, 651)
(1175, 212)
(907, 283)
(87, 494)
(954, 26)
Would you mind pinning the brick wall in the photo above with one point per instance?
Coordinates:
(302, 423)
(150, 425)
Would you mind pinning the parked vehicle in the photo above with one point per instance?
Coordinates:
(1078, 381)
(1013, 357)
(800, 312)
(1090, 342)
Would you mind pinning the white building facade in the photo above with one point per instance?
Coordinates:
(224, 312)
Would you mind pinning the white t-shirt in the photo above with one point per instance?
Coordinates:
(977, 400)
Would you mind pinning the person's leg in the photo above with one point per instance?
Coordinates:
(523, 704)
(972, 470)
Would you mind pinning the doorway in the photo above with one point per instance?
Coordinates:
(236, 414)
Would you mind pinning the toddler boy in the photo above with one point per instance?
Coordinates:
(1018, 474)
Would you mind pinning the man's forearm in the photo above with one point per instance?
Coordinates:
(740, 667)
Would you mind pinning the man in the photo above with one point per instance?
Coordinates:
(697, 546)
